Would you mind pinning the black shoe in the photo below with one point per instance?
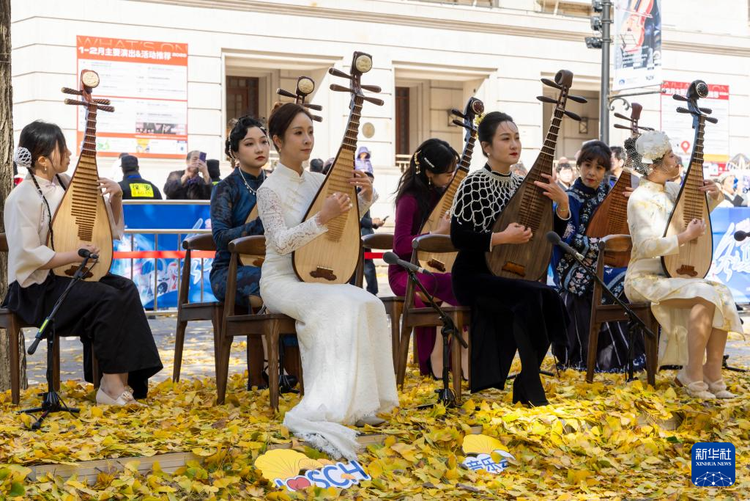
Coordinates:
(291, 381)
(519, 395)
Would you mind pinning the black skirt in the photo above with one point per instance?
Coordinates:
(106, 315)
(508, 316)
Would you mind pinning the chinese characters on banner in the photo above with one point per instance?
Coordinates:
(147, 84)
(679, 126)
(637, 43)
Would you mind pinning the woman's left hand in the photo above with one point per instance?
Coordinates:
(110, 188)
(553, 190)
(363, 182)
(711, 188)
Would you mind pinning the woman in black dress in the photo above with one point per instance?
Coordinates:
(507, 314)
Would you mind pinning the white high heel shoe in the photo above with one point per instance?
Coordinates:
(696, 389)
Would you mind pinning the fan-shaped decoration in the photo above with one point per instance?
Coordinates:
(284, 463)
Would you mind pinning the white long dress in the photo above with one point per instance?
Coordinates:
(649, 208)
(342, 330)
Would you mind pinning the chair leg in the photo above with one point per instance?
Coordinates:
(95, 372)
(652, 351)
(179, 342)
(593, 347)
(255, 359)
(56, 363)
(222, 367)
(272, 345)
(14, 334)
(456, 362)
(395, 333)
(217, 316)
(403, 354)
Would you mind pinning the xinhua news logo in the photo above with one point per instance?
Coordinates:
(713, 464)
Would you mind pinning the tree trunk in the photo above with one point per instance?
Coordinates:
(6, 183)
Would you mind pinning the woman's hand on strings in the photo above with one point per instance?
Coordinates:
(444, 225)
(363, 182)
(695, 228)
(628, 191)
(334, 206)
(110, 188)
(711, 188)
(554, 192)
(514, 233)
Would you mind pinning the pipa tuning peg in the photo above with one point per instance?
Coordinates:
(68, 90)
(546, 99)
(682, 110)
(578, 99)
(645, 128)
(620, 126)
(713, 120)
(678, 97)
(102, 101)
(572, 115)
(75, 102)
(707, 111)
(338, 73)
(457, 112)
(371, 88)
(460, 124)
(620, 115)
(311, 106)
(550, 83)
(317, 118)
(374, 100)
(340, 88)
(106, 108)
(285, 93)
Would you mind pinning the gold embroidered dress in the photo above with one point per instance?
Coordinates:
(649, 208)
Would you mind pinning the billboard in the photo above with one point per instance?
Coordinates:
(637, 44)
(147, 84)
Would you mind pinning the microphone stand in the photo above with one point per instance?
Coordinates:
(445, 395)
(634, 319)
(51, 401)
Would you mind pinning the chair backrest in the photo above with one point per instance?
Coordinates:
(3, 243)
(203, 242)
(254, 245)
(609, 247)
(375, 241)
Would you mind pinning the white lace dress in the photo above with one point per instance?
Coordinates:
(649, 208)
(343, 330)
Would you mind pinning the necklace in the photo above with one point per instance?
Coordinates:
(249, 189)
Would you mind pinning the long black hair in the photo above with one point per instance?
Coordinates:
(595, 150)
(433, 155)
(488, 127)
(42, 139)
(238, 133)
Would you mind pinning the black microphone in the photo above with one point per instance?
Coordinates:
(555, 239)
(741, 235)
(392, 258)
(85, 253)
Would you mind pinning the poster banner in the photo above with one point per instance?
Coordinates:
(731, 263)
(160, 277)
(679, 126)
(147, 84)
(637, 43)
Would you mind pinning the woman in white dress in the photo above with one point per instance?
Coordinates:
(694, 314)
(343, 330)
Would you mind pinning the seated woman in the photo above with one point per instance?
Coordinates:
(342, 330)
(232, 200)
(575, 285)
(507, 315)
(695, 314)
(430, 171)
(108, 314)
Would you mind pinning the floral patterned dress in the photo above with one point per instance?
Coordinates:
(649, 208)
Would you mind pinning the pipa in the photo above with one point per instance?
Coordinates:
(611, 217)
(305, 87)
(694, 258)
(442, 263)
(81, 217)
(528, 206)
(332, 257)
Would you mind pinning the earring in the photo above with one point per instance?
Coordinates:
(429, 182)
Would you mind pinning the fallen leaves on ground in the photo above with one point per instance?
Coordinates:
(606, 440)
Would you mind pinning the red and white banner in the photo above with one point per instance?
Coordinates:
(147, 84)
(679, 126)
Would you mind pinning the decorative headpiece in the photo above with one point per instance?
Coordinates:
(22, 157)
(652, 146)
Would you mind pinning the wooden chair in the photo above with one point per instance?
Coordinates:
(394, 305)
(427, 317)
(609, 247)
(187, 311)
(258, 325)
(13, 324)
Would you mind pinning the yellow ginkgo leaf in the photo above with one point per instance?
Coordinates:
(281, 463)
(481, 444)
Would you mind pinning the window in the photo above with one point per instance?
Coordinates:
(402, 121)
(242, 96)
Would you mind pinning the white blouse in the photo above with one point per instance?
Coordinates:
(27, 227)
